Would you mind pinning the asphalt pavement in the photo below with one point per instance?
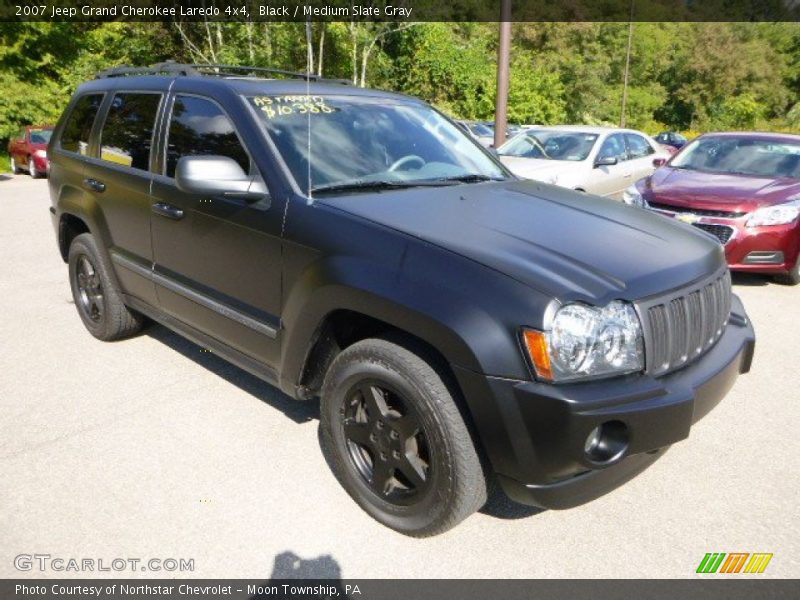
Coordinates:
(153, 448)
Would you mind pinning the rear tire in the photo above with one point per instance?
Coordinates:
(792, 277)
(15, 167)
(99, 304)
(32, 168)
(398, 442)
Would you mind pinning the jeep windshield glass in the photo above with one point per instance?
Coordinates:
(733, 155)
(344, 143)
(550, 145)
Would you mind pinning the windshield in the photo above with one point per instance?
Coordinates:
(481, 130)
(344, 141)
(40, 136)
(741, 156)
(550, 145)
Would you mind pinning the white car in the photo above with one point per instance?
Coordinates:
(599, 160)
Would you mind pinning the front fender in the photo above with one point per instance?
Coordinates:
(470, 318)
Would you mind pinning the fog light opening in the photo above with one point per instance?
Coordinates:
(607, 442)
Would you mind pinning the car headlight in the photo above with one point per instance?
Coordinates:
(633, 197)
(780, 214)
(40, 153)
(586, 342)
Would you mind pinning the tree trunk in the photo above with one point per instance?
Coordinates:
(310, 48)
(354, 39)
(321, 48)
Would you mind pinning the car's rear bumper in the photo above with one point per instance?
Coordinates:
(537, 447)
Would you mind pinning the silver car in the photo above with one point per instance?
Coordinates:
(599, 160)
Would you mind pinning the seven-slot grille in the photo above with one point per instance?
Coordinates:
(681, 327)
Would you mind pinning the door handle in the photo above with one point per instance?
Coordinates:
(94, 185)
(167, 210)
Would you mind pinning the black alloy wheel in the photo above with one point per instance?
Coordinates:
(396, 438)
(90, 289)
(386, 442)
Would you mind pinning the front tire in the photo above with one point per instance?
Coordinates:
(399, 444)
(99, 304)
(32, 168)
(793, 276)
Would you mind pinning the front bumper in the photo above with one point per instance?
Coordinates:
(42, 164)
(771, 249)
(537, 447)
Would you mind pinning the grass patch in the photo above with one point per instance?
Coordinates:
(5, 163)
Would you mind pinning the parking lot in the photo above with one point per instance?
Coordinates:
(153, 448)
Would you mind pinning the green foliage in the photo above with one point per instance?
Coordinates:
(5, 163)
(696, 76)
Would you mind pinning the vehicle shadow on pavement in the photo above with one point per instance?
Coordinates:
(751, 279)
(4, 177)
(501, 506)
(299, 412)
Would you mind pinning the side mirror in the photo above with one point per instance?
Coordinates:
(659, 162)
(216, 176)
(605, 161)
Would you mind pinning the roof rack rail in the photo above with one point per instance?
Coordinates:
(173, 68)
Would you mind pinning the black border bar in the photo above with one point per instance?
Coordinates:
(710, 586)
(400, 10)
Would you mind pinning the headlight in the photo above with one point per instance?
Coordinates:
(780, 214)
(633, 197)
(40, 153)
(586, 342)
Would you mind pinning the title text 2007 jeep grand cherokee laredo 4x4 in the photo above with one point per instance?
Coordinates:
(458, 324)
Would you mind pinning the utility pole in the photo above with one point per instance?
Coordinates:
(623, 115)
(503, 51)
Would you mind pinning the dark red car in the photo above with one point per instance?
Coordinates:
(744, 189)
(28, 151)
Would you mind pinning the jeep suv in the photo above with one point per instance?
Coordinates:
(459, 326)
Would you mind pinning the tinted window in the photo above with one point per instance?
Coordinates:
(75, 136)
(614, 146)
(127, 134)
(199, 127)
(638, 147)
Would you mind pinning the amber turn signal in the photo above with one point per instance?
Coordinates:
(536, 345)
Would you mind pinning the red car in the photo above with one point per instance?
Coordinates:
(28, 151)
(744, 189)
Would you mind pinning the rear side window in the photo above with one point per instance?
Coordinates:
(200, 127)
(75, 136)
(638, 147)
(127, 134)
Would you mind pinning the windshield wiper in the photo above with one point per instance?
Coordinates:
(364, 185)
(468, 178)
(382, 184)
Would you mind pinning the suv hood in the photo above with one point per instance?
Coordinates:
(562, 243)
(711, 191)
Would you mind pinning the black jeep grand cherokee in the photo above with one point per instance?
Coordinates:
(458, 324)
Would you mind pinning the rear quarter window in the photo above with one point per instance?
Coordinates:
(75, 136)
